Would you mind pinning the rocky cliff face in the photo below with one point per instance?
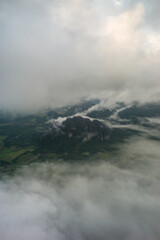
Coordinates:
(85, 128)
(74, 129)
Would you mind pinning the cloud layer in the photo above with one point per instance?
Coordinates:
(85, 202)
(56, 52)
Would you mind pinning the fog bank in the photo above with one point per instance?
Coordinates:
(85, 201)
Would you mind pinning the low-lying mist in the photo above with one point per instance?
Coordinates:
(89, 201)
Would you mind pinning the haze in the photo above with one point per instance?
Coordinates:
(57, 52)
(87, 201)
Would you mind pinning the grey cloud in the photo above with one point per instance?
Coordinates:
(56, 52)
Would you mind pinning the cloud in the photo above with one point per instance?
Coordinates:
(95, 201)
(57, 52)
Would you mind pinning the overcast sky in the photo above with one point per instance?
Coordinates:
(55, 52)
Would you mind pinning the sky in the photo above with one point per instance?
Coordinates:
(58, 52)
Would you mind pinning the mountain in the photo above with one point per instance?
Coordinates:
(74, 132)
(140, 110)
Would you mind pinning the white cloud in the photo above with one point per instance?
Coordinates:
(117, 2)
(56, 52)
(95, 201)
